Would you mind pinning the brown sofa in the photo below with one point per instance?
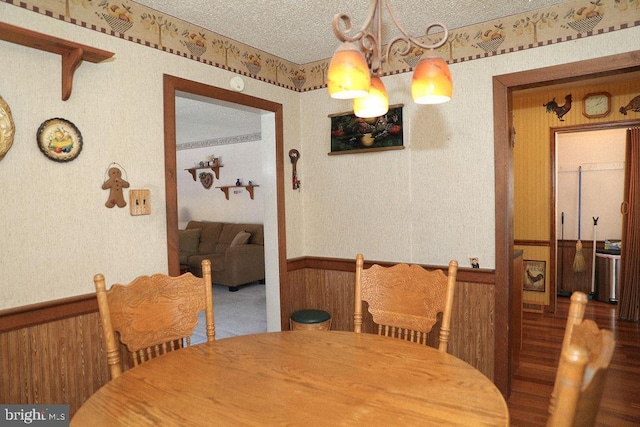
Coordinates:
(236, 251)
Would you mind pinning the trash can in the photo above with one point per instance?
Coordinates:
(607, 276)
(310, 319)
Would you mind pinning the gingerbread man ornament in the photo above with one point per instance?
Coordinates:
(115, 184)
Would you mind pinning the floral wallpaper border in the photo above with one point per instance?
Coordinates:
(139, 24)
(251, 137)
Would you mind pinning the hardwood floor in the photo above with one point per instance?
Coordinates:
(541, 341)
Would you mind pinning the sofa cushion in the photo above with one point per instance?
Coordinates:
(189, 240)
(209, 235)
(241, 238)
(230, 230)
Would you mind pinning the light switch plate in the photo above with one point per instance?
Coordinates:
(140, 202)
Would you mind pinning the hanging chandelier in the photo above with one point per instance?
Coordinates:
(356, 66)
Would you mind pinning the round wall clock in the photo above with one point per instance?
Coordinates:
(597, 104)
(59, 140)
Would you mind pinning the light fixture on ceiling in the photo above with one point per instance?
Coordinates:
(355, 69)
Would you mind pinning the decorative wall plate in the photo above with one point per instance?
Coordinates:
(7, 128)
(59, 140)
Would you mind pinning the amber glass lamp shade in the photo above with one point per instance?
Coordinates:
(431, 83)
(348, 76)
(375, 104)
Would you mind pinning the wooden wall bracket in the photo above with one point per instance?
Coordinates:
(249, 188)
(215, 169)
(72, 53)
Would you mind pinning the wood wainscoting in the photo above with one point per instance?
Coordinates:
(53, 352)
(328, 284)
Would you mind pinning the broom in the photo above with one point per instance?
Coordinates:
(578, 261)
(593, 258)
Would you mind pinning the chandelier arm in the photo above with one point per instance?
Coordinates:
(413, 41)
(426, 32)
(346, 19)
(341, 34)
(403, 52)
(409, 39)
(369, 44)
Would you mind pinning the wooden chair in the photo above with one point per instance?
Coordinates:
(584, 360)
(153, 315)
(405, 300)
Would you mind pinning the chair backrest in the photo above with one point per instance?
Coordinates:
(153, 314)
(584, 360)
(404, 300)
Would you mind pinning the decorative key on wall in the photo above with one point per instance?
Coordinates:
(294, 155)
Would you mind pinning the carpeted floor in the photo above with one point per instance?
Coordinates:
(236, 313)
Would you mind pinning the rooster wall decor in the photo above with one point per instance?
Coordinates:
(560, 110)
(534, 277)
(633, 105)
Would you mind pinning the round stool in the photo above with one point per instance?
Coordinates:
(310, 320)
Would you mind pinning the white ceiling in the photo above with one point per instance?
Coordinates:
(201, 119)
(300, 31)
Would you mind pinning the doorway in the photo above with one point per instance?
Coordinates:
(504, 138)
(589, 189)
(207, 129)
(273, 188)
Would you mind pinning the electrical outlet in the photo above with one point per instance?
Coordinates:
(475, 262)
(140, 202)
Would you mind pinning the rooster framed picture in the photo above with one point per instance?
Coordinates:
(535, 275)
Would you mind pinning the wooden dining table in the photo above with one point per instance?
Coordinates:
(299, 378)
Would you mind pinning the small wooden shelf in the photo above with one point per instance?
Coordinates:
(72, 53)
(215, 169)
(225, 189)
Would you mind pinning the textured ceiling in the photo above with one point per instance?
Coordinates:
(300, 31)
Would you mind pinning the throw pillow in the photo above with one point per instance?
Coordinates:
(241, 238)
(189, 240)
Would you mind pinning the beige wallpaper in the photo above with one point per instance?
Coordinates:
(428, 203)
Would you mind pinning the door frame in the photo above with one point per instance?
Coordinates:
(173, 84)
(503, 87)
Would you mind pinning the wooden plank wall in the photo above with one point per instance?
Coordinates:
(53, 353)
(56, 362)
(330, 287)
